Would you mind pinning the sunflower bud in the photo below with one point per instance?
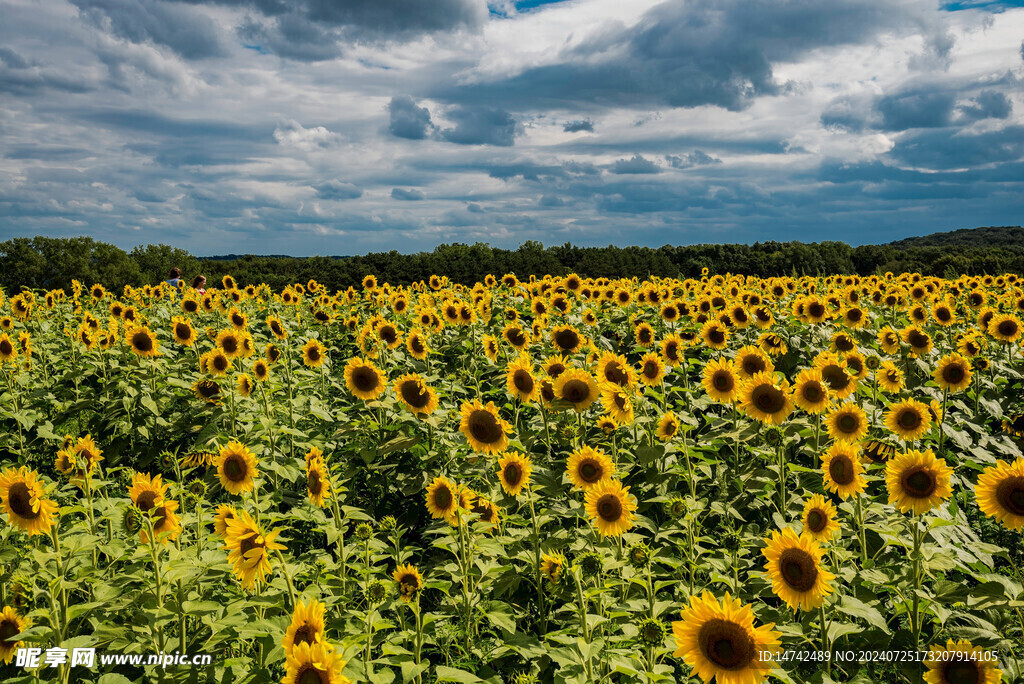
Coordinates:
(589, 563)
(376, 591)
(732, 540)
(388, 523)
(651, 633)
(524, 678)
(676, 507)
(773, 436)
(639, 555)
(132, 520)
(198, 488)
(167, 460)
(364, 531)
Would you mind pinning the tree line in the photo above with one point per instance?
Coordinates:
(50, 263)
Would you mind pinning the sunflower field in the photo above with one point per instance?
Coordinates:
(559, 479)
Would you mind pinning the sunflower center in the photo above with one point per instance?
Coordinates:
(816, 520)
(918, 339)
(840, 470)
(836, 377)
(182, 331)
(414, 394)
(313, 353)
(672, 351)
(753, 364)
(512, 474)
(953, 373)
(208, 388)
(220, 362)
(1010, 494)
(848, 423)
(613, 373)
(417, 345)
(768, 398)
(567, 339)
(8, 628)
(19, 498)
(247, 545)
(1008, 328)
(961, 671)
(523, 381)
(726, 644)
(844, 344)
(229, 344)
(313, 483)
(918, 482)
(142, 342)
(146, 500)
(812, 392)
(798, 569)
(575, 391)
(717, 336)
(590, 471)
(484, 426)
(909, 419)
(159, 516)
(609, 508)
(364, 378)
(311, 674)
(235, 468)
(723, 381)
(306, 634)
(516, 338)
(650, 370)
(443, 498)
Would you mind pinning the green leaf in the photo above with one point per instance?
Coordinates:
(450, 674)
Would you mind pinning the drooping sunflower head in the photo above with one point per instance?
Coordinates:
(414, 394)
(236, 467)
(514, 471)
(225, 513)
(249, 549)
(843, 470)
(847, 423)
(819, 518)
(917, 481)
(363, 379)
(794, 567)
(24, 501)
(552, 566)
(611, 508)
(207, 390)
(719, 640)
(1000, 493)
(908, 419)
(766, 399)
(485, 431)
(588, 467)
(960, 662)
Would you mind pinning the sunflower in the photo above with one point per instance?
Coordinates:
(714, 335)
(567, 339)
(811, 392)
(908, 419)
(644, 334)
(236, 467)
(750, 361)
(588, 468)
(772, 344)
(277, 327)
(485, 431)
(166, 525)
(416, 344)
(971, 345)
(313, 353)
(794, 567)
(409, 581)
(516, 336)
(306, 627)
(553, 366)
(847, 423)
(229, 341)
(958, 662)
(953, 373)
(617, 403)
(720, 381)
(519, 379)
(1000, 493)
(888, 340)
(249, 549)
(216, 363)
(318, 483)
(673, 350)
(244, 385)
(819, 519)
(142, 342)
(652, 370)
(917, 481)
(225, 514)
(767, 400)
(514, 471)
(491, 348)
(8, 352)
(878, 451)
(318, 662)
(614, 369)
(260, 370)
(668, 427)
(720, 641)
(843, 470)
(890, 377)
(552, 566)
(487, 511)
(577, 387)
(207, 390)
(363, 379)
(10, 624)
(442, 498)
(414, 394)
(611, 507)
(1005, 328)
(920, 342)
(24, 500)
(841, 382)
(184, 333)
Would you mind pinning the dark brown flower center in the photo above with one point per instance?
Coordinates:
(235, 469)
(567, 339)
(613, 373)
(142, 341)
(768, 398)
(798, 569)
(306, 634)
(313, 483)
(414, 394)
(313, 353)
(918, 482)
(1010, 494)
(443, 498)
(848, 423)
(840, 469)
(716, 336)
(816, 520)
(960, 670)
(609, 508)
(1007, 328)
(813, 392)
(183, 331)
(590, 471)
(723, 381)
(651, 369)
(954, 373)
(8, 628)
(918, 339)
(365, 379)
(909, 418)
(575, 391)
(513, 474)
(726, 644)
(753, 364)
(19, 498)
(836, 377)
(523, 381)
(484, 427)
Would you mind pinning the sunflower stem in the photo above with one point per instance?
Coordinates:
(536, 556)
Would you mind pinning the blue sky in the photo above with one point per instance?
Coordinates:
(321, 127)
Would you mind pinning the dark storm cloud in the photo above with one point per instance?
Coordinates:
(691, 159)
(706, 52)
(954, 148)
(989, 104)
(579, 126)
(407, 120)
(928, 109)
(481, 126)
(635, 165)
(412, 195)
(185, 31)
(337, 190)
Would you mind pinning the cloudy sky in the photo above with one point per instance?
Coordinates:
(345, 126)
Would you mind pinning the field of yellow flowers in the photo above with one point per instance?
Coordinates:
(559, 479)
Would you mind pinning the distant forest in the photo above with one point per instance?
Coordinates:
(50, 263)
